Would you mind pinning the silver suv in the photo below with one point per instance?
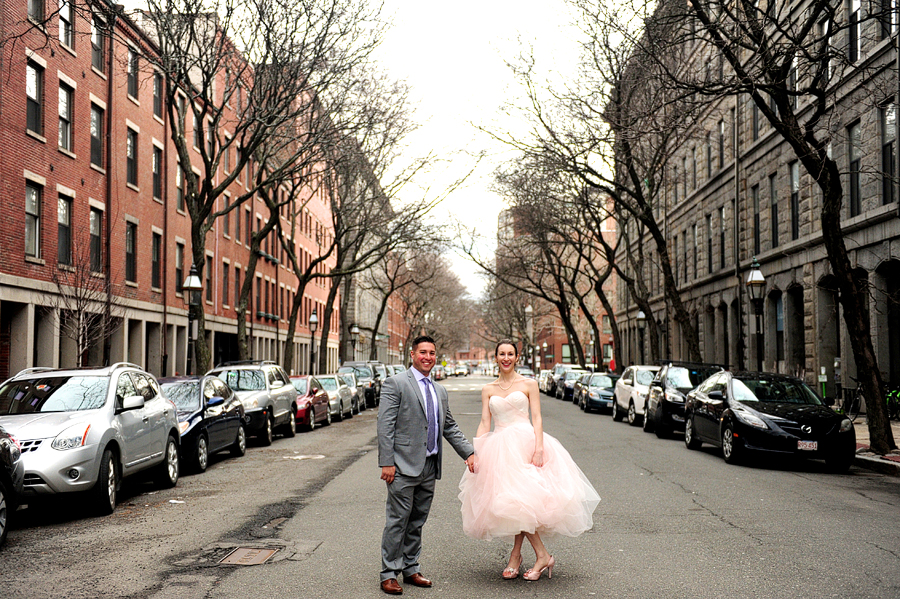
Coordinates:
(86, 429)
(269, 398)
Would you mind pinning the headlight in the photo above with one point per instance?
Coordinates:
(72, 437)
(846, 425)
(674, 397)
(752, 420)
(183, 426)
(595, 395)
(249, 404)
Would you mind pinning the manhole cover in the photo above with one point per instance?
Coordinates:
(248, 556)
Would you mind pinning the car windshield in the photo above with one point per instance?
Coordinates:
(643, 377)
(348, 380)
(361, 372)
(184, 394)
(685, 379)
(299, 385)
(382, 371)
(571, 375)
(328, 383)
(774, 391)
(244, 380)
(603, 382)
(525, 371)
(54, 394)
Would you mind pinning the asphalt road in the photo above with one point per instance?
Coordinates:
(672, 523)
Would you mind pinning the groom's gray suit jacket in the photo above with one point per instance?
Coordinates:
(403, 426)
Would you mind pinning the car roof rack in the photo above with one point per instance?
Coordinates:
(245, 363)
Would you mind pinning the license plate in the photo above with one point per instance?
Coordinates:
(807, 445)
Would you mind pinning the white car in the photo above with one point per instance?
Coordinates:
(631, 393)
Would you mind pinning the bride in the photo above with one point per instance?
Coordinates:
(526, 484)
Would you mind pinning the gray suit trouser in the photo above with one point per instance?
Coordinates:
(408, 501)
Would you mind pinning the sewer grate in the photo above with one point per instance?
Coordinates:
(247, 556)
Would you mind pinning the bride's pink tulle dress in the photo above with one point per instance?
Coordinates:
(509, 495)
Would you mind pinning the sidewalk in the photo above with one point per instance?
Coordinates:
(886, 464)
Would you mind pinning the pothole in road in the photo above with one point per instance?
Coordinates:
(244, 553)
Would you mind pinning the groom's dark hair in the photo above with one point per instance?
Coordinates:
(422, 339)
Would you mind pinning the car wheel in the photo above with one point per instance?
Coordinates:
(5, 511)
(649, 423)
(328, 415)
(632, 414)
(730, 449)
(239, 448)
(690, 439)
(361, 405)
(201, 454)
(616, 412)
(268, 434)
(312, 418)
(167, 473)
(290, 429)
(340, 413)
(103, 493)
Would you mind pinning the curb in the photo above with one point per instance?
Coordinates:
(877, 463)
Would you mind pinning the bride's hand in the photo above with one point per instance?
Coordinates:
(537, 459)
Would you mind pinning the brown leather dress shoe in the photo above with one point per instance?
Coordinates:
(391, 587)
(417, 580)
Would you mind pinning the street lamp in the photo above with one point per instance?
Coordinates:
(191, 289)
(593, 354)
(756, 286)
(354, 336)
(402, 357)
(641, 322)
(313, 325)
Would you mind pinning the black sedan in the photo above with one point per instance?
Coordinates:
(210, 418)
(664, 411)
(596, 393)
(752, 412)
(12, 474)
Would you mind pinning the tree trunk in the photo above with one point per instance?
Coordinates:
(325, 321)
(613, 323)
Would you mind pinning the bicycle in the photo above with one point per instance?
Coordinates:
(850, 406)
(892, 397)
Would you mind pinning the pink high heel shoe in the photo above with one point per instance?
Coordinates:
(532, 575)
(512, 573)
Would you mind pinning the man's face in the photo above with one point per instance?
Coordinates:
(424, 357)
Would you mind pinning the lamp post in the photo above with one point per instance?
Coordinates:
(354, 336)
(191, 289)
(313, 325)
(402, 357)
(641, 322)
(756, 286)
(593, 353)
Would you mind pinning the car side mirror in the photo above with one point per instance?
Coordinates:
(132, 402)
(215, 401)
(313, 390)
(716, 395)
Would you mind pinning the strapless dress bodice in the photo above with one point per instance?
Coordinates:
(510, 409)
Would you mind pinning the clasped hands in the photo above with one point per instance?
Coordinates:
(389, 472)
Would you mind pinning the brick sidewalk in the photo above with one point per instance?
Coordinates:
(889, 464)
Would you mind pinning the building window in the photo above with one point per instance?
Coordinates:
(157, 173)
(33, 220)
(684, 183)
(96, 135)
(179, 187)
(825, 34)
(237, 286)
(156, 263)
(64, 231)
(226, 155)
(131, 252)
(133, 67)
(854, 154)
(65, 117)
(722, 236)
(696, 253)
(773, 207)
(98, 43)
(34, 89)
(779, 328)
(96, 245)
(685, 244)
(209, 274)
(258, 295)
(226, 284)
(131, 140)
(694, 168)
(853, 45)
(249, 230)
(675, 257)
(721, 144)
(708, 157)
(237, 225)
(794, 169)
(66, 29)
(179, 267)
(36, 10)
(754, 120)
(709, 243)
(197, 126)
(888, 18)
(792, 85)
(158, 94)
(757, 239)
(888, 119)
(226, 218)
(674, 178)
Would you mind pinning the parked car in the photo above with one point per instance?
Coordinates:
(358, 392)
(86, 429)
(525, 371)
(365, 376)
(664, 411)
(380, 374)
(751, 412)
(555, 374)
(12, 475)
(269, 398)
(542, 378)
(631, 393)
(462, 370)
(398, 368)
(210, 418)
(565, 386)
(438, 373)
(340, 398)
(312, 402)
(598, 391)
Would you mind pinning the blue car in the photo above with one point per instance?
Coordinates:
(597, 392)
(210, 418)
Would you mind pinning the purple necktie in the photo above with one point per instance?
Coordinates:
(432, 417)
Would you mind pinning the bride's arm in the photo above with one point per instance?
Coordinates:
(534, 401)
(485, 425)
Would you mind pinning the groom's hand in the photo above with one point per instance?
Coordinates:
(387, 473)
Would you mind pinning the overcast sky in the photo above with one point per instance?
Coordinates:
(453, 56)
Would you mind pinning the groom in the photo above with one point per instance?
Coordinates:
(414, 415)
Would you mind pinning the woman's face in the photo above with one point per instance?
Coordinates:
(506, 357)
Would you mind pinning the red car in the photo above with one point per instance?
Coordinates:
(312, 402)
